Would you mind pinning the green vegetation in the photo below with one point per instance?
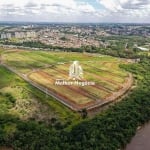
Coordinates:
(1, 51)
(64, 38)
(120, 46)
(26, 102)
(111, 129)
(44, 68)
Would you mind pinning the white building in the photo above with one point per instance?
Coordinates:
(6, 36)
(75, 71)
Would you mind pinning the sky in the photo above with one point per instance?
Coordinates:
(76, 11)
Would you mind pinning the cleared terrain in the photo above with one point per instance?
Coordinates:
(44, 68)
(20, 99)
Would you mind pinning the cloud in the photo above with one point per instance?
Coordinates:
(75, 10)
(112, 5)
(31, 5)
(133, 10)
(124, 4)
(136, 4)
(66, 10)
(86, 8)
(116, 5)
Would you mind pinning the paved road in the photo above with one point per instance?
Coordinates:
(141, 141)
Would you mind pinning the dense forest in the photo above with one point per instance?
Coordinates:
(109, 130)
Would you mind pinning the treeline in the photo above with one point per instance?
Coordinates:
(116, 50)
(37, 44)
(109, 130)
(115, 127)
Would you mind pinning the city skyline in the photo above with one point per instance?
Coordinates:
(76, 11)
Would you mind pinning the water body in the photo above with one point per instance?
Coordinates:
(141, 141)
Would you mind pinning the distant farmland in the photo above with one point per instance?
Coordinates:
(44, 68)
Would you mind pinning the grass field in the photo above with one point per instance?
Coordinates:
(20, 99)
(45, 67)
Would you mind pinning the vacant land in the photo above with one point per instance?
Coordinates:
(44, 68)
(20, 99)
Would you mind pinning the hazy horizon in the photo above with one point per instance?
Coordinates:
(75, 11)
(46, 22)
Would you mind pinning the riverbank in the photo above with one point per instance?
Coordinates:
(141, 141)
